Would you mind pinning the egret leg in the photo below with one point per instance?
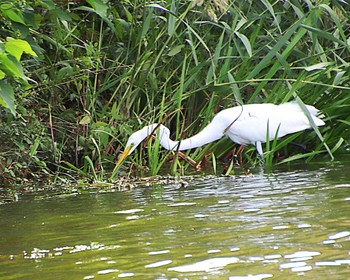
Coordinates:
(260, 150)
(239, 154)
(235, 154)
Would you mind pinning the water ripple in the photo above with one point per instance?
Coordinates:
(205, 265)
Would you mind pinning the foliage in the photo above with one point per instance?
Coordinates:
(105, 69)
(17, 18)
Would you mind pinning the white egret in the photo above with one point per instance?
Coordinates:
(247, 124)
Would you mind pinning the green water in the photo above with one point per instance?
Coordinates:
(289, 224)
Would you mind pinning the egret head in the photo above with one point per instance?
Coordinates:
(134, 140)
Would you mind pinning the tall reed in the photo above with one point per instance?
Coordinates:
(266, 52)
(112, 68)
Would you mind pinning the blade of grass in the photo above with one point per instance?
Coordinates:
(324, 34)
(280, 43)
(313, 125)
(300, 156)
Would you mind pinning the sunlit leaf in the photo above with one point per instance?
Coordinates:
(128, 15)
(85, 120)
(338, 77)
(17, 47)
(318, 66)
(100, 7)
(245, 42)
(11, 66)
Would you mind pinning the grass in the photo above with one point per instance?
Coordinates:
(250, 72)
(113, 68)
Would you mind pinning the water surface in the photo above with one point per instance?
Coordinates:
(287, 224)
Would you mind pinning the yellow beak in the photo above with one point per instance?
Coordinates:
(122, 157)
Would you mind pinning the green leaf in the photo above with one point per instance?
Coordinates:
(17, 47)
(300, 156)
(62, 15)
(34, 147)
(88, 160)
(157, 6)
(172, 19)
(85, 120)
(100, 7)
(338, 145)
(313, 125)
(245, 42)
(6, 6)
(269, 57)
(11, 66)
(235, 89)
(318, 66)
(272, 12)
(7, 97)
(73, 167)
(48, 4)
(9, 11)
(336, 20)
(128, 15)
(146, 23)
(175, 50)
(324, 34)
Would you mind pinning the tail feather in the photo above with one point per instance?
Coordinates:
(314, 112)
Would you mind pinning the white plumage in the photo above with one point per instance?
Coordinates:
(247, 124)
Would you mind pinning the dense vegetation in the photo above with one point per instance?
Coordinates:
(77, 77)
